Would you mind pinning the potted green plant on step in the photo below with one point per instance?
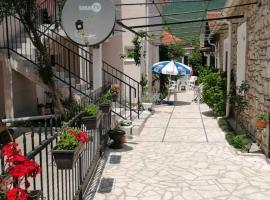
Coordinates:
(91, 116)
(148, 100)
(69, 147)
(115, 90)
(262, 120)
(105, 102)
(126, 126)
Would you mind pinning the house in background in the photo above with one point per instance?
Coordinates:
(243, 50)
(77, 70)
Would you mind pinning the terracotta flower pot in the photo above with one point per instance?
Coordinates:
(118, 137)
(261, 124)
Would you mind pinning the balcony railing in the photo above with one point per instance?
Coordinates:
(37, 136)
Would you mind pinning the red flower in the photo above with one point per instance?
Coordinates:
(79, 135)
(83, 137)
(16, 159)
(10, 149)
(72, 131)
(26, 184)
(16, 194)
(19, 167)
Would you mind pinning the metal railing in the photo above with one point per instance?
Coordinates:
(127, 103)
(37, 142)
(64, 60)
(66, 56)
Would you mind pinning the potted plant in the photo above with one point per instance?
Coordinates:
(69, 147)
(147, 101)
(262, 120)
(115, 90)
(118, 137)
(91, 116)
(5, 136)
(14, 182)
(105, 102)
(126, 126)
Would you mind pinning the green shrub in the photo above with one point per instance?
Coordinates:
(67, 142)
(223, 124)
(238, 141)
(106, 98)
(91, 110)
(262, 117)
(214, 92)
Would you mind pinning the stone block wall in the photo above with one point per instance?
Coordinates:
(257, 18)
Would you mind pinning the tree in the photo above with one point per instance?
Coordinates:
(175, 51)
(27, 12)
(195, 59)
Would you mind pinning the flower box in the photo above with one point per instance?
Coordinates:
(65, 159)
(105, 108)
(92, 122)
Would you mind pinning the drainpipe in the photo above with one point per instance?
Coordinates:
(215, 46)
(229, 69)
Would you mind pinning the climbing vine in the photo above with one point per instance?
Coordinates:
(135, 53)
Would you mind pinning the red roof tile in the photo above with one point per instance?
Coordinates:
(168, 38)
(212, 15)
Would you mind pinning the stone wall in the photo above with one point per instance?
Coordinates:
(257, 18)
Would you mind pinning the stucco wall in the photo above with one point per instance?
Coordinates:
(25, 98)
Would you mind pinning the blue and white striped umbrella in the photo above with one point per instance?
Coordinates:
(171, 68)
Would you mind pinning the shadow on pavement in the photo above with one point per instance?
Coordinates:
(208, 114)
(181, 103)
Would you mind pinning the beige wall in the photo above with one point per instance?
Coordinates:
(2, 96)
(112, 50)
(25, 98)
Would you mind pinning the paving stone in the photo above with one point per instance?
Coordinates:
(184, 166)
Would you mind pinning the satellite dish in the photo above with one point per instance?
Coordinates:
(88, 22)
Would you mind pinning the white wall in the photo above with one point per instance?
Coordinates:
(118, 44)
(241, 54)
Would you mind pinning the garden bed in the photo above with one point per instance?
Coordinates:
(238, 139)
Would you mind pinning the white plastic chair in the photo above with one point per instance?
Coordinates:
(198, 92)
(182, 82)
(191, 82)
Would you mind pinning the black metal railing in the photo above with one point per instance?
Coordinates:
(37, 138)
(72, 63)
(127, 103)
(69, 66)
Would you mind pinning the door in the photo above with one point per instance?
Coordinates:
(241, 54)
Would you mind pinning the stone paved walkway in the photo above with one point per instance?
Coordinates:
(182, 154)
